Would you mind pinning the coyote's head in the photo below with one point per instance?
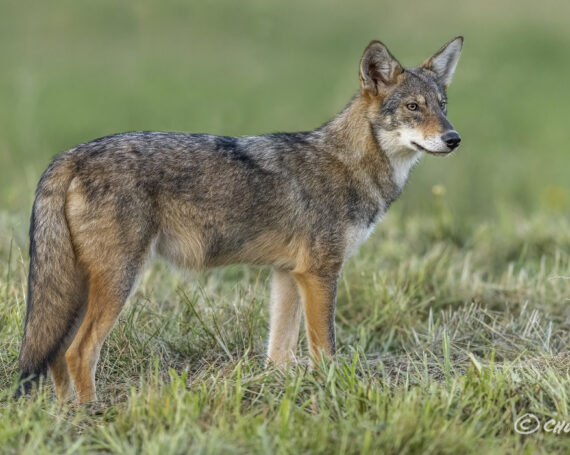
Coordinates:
(407, 107)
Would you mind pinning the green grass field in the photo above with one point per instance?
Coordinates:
(453, 319)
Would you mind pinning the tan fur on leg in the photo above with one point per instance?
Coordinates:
(318, 295)
(58, 366)
(82, 356)
(61, 378)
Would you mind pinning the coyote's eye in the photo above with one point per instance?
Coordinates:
(442, 104)
(412, 106)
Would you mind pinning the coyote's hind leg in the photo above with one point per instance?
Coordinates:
(107, 295)
(58, 366)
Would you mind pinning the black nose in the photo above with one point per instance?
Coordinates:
(452, 139)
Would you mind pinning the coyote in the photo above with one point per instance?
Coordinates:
(298, 202)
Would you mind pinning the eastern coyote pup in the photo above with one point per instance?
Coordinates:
(299, 202)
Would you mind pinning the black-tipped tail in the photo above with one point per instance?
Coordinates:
(56, 289)
(29, 382)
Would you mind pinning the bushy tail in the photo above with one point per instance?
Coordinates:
(55, 283)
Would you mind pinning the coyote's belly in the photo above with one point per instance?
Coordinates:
(194, 248)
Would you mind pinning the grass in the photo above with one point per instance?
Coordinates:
(446, 337)
(452, 320)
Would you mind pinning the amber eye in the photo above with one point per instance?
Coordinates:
(412, 106)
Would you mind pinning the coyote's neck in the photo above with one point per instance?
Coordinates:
(350, 133)
(351, 137)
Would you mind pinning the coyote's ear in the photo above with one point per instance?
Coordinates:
(378, 68)
(444, 61)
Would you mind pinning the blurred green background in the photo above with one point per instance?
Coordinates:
(72, 71)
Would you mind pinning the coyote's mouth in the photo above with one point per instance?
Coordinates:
(423, 149)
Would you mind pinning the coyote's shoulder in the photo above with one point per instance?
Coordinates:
(298, 202)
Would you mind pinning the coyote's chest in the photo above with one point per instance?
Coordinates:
(355, 236)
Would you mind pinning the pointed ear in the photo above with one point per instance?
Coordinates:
(378, 68)
(444, 61)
